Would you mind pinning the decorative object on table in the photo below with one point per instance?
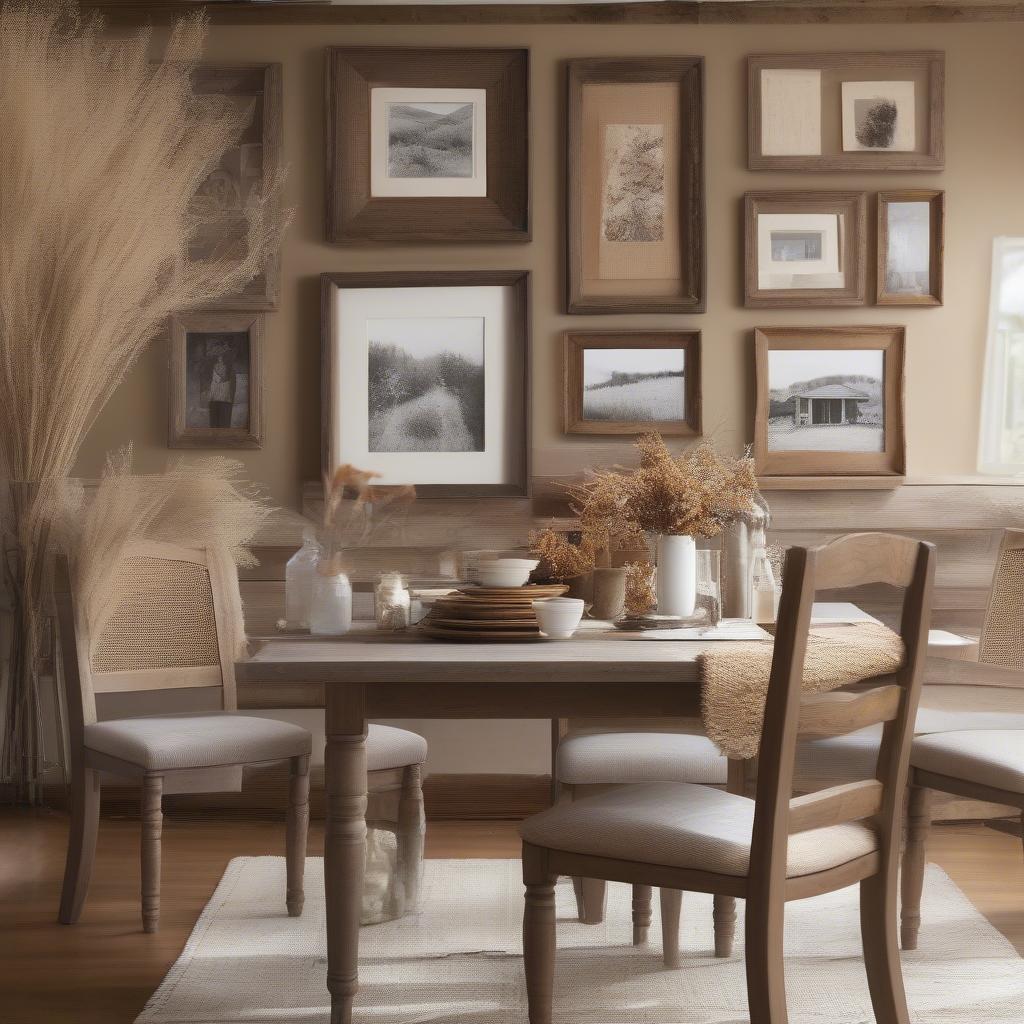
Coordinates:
(216, 394)
(676, 580)
(709, 584)
(299, 575)
(507, 572)
(652, 620)
(635, 213)
(829, 406)
(437, 396)
(558, 617)
(739, 540)
(804, 249)
(626, 382)
(765, 592)
(640, 595)
(846, 111)
(427, 145)
(609, 596)
(94, 255)
(330, 603)
(911, 243)
(392, 603)
(488, 613)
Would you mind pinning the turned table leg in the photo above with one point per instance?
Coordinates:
(739, 780)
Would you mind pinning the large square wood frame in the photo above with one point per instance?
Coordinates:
(936, 201)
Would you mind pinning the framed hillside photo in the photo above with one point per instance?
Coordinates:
(427, 145)
(635, 185)
(629, 382)
(911, 243)
(829, 406)
(426, 379)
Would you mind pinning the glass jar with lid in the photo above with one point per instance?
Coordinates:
(391, 602)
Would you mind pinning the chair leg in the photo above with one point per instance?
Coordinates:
(591, 896)
(296, 832)
(152, 827)
(85, 815)
(539, 933)
(725, 925)
(914, 857)
(641, 914)
(671, 909)
(766, 978)
(409, 836)
(881, 950)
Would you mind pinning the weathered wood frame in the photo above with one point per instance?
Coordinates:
(936, 200)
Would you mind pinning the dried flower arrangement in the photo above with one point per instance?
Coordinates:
(560, 558)
(640, 596)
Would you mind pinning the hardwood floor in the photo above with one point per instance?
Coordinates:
(102, 970)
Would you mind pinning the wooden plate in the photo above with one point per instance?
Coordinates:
(462, 611)
(440, 633)
(532, 592)
(484, 624)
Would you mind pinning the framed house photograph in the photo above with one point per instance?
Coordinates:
(804, 249)
(635, 185)
(243, 174)
(629, 382)
(216, 380)
(911, 242)
(426, 379)
(427, 145)
(829, 406)
(846, 111)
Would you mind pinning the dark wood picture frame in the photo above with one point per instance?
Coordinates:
(928, 65)
(688, 74)
(831, 469)
(936, 200)
(180, 434)
(518, 282)
(356, 216)
(575, 344)
(852, 248)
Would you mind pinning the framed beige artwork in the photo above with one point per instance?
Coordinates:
(635, 185)
(911, 243)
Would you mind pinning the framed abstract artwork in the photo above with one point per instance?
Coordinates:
(804, 249)
(426, 379)
(629, 382)
(216, 380)
(846, 111)
(635, 185)
(427, 145)
(911, 241)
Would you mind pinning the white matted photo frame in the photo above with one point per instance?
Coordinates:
(426, 379)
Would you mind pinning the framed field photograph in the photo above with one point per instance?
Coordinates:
(635, 185)
(846, 111)
(804, 249)
(628, 382)
(427, 145)
(829, 406)
(243, 173)
(911, 230)
(426, 379)
(216, 380)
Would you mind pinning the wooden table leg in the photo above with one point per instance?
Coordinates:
(344, 842)
(739, 780)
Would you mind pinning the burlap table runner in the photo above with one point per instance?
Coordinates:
(734, 677)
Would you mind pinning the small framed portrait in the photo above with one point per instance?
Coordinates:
(830, 406)
(629, 382)
(911, 229)
(216, 380)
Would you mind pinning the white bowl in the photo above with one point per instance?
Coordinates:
(506, 572)
(558, 616)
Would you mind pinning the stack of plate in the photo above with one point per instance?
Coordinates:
(485, 614)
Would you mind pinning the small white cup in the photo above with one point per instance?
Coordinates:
(558, 616)
(506, 572)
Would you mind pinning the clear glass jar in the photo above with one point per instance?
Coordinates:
(391, 602)
(765, 591)
(330, 608)
(298, 582)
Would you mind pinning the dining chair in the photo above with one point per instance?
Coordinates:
(774, 848)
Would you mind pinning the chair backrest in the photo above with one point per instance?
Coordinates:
(856, 560)
(1002, 636)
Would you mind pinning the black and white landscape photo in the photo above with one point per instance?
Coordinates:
(633, 194)
(426, 384)
(634, 385)
(908, 258)
(797, 246)
(430, 140)
(878, 116)
(799, 250)
(826, 400)
(217, 379)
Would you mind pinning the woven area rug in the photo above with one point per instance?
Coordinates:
(459, 960)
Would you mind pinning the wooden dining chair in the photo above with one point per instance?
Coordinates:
(774, 848)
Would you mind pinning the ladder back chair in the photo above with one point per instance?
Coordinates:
(775, 848)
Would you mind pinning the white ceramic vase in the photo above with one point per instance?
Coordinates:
(676, 585)
(330, 605)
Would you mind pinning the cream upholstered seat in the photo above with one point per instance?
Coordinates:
(613, 758)
(987, 757)
(388, 748)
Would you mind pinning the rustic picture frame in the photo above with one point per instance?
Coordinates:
(885, 295)
(355, 215)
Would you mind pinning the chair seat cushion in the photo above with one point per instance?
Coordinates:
(685, 826)
(620, 757)
(993, 758)
(388, 747)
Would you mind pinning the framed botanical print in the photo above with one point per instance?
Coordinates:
(829, 406)
(635, 185)
(804, 249)
(216, 379)
(911, 240)
(426, 379)
(846, 111)
(628, 382)
(427, 145)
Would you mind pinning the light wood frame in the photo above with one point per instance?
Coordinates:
(852, 206)
(355, 216)
(180, 435)
(936, 200)
(688, 73)
(575, 344)
(929, 63)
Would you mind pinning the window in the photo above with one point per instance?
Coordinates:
(1001, 447)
